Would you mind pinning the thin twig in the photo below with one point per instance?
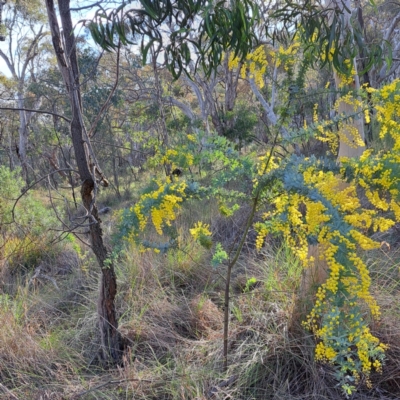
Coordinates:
(34, 184)
(98, 3)
(36, 111)
(107, 102)
(120, 147)
(237, 254)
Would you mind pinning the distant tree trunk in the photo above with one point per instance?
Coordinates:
(10, 150)
(88, 168)
(2, 37)
(23, 137)
(115, 172)
(162, 119)
(23, 48)
(231, 84)
(345, 150)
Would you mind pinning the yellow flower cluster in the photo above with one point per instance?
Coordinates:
(315, 113)
(364, 242)
(345, 79)
(315, 216)
(365, 345)
(287, 57)
(325, 353)
(362, 347)
(262, 232)
(395, 207)
(388, 111)
(367, 116)
(255, 65)
(327, 135)
(349, 281)
(340, 224)
(346, 131)
(166, 198)
(334, 189)
(348, 275)
(172, 155)
(137, 209)
(304, 216)
(350, 135)
(362, 289)
(200, 229)
(165, 213)
(266, 164)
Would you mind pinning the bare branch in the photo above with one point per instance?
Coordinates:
(36, 111)
(31, 53)
(107, 102)
(98, 3)
(8, 62)
(120, 147)
(267, 108)
(182, 106)
(392, 27)
(34, 184)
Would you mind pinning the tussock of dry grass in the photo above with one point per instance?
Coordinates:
(25, 365)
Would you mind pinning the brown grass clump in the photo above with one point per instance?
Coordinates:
(206, 317)
(23, 362)
(385, 272)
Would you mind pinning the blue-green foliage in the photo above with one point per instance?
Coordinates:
(289, 179)
(220, 255)
(220, 163)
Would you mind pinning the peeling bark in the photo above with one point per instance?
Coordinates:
(88, 168)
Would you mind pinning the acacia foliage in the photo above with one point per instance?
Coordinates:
(305, 200)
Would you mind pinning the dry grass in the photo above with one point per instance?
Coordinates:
(171, 313)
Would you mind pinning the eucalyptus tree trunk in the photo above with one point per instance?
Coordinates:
(345, 109)
(23, 136)
(346, 150)
(2, 36)
(90, 175)
(21, 50)
(25, 118)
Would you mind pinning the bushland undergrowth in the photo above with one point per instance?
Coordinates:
(222, 246)
(171, 318)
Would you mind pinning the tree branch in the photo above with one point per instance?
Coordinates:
(107, 102)
(182, 106)
(98, 3)
(36, 111)
(31, 53)
(35, 183)
(8, 62)
(267, 108)
(120, 147)
(392, 27)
